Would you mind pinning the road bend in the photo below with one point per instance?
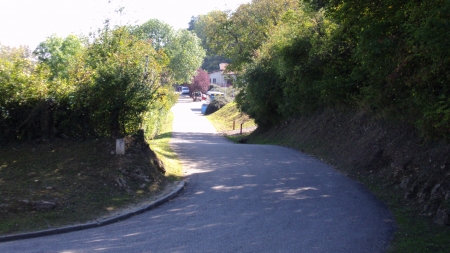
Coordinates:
(240, 198)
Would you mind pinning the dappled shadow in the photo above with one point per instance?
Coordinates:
(196, 110)
(199, 138)
(185, 99)
(247, 198)
(244, 198)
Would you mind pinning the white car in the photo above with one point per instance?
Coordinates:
(214, 94)
(184, 90)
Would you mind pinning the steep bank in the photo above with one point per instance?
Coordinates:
(386, 153)
(61, 182)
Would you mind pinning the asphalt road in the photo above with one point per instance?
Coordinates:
(240, 198)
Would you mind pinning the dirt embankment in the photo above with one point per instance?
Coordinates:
(367, 148)
(49, 184)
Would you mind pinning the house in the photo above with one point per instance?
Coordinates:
(221, 77)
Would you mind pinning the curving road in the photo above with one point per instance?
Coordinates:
(240, 198)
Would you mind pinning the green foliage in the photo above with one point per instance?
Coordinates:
(211, 61)
(391, 57)
(215, 105)
(260, 94)
(154, 119)
(186, 56)
(57, 53)
(24, 95)
(159, 33)
(402, 57)
(124, 82)
(110, 87)
(237, 35)
(296, 64)
(183, 49)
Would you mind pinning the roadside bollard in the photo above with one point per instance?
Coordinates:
(120, 147)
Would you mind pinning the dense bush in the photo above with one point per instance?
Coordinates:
(215, 105)
(110, 86)
(389, 57)
(262, 96)
(402, 55)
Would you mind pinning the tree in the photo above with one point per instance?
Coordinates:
(159, 33)
(183, 49)
(25, 95)
(186, 56)
(111, 88)
(57, 53)
(124, 83)
(211, 61)
(238, 35)
(402, 57)
(295, 71)
(200, 82)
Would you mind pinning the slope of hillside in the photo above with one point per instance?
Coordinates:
(224, 117)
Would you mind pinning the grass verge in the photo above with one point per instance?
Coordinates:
(223, 119)
(161, 146)
(415, 233)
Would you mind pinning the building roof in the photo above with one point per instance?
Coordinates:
(222, 69)
(223, 66)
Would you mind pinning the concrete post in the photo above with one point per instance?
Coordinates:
(120, 147)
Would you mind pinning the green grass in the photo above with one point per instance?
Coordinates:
(223, 119)
(415, 233)
(160, 145)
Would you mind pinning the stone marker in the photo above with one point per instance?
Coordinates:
(120, 147)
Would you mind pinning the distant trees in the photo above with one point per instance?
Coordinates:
(183, 48)
(237, 35)
(212, 60)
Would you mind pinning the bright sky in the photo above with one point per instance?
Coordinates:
(29, 22)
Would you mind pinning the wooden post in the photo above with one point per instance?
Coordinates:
(241, 127)
(234, 123)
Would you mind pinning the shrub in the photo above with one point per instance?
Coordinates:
(215, 105)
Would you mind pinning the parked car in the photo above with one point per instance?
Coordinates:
(214, 94)
(184, 90)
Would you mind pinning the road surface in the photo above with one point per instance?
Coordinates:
(240, 198)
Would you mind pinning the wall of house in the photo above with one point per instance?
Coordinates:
(217, 78)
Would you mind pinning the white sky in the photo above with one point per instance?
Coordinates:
(29, 22)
